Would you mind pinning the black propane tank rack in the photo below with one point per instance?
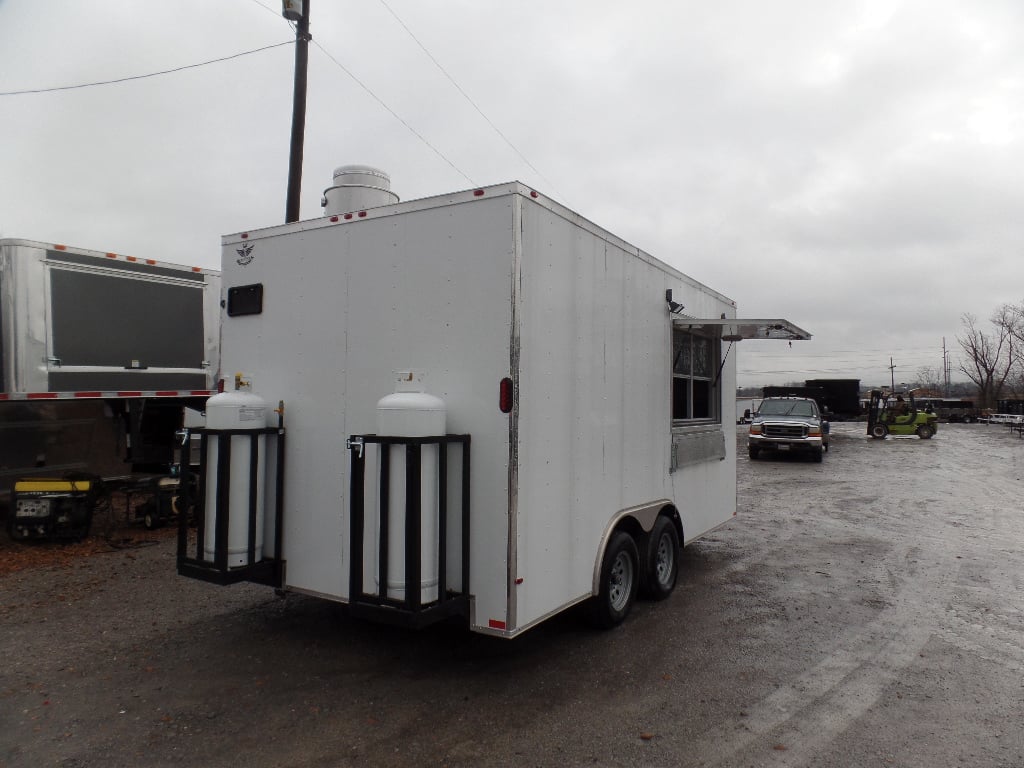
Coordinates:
(267, 570)
(411, 611)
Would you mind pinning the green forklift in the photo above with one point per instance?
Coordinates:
(893, 415)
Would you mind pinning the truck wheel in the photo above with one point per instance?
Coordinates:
(661, 564)
(817, 456)
(618, 583)
(752, 452)
(879, 431)
(925, 431)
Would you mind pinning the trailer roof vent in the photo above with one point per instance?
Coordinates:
(355, 188)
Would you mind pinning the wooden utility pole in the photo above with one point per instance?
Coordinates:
(945, 368)
(302, 39)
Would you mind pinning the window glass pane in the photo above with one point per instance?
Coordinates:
(701, 357)
(680, 353)
(702, 400)
(680, 408)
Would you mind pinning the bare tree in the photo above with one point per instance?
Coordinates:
(989, 357)
(929, 379)
(1012, 316)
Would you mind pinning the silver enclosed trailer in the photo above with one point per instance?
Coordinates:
(99, 353)
(478, 404)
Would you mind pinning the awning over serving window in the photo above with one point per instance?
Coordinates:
(735, 329)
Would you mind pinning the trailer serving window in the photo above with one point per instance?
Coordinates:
(697, 360)
(695, 392)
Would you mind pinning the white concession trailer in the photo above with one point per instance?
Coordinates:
(477, 404)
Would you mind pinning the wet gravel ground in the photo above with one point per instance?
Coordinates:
(866, 611)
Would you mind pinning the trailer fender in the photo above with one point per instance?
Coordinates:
(636, 521)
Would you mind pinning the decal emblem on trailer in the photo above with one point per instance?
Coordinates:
(245, 256)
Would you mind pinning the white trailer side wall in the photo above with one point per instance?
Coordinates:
(345, 306)
(595, 428)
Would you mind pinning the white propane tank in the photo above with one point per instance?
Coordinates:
(411, 412)
(239, 410)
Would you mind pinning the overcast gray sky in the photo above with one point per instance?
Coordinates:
(855, 167)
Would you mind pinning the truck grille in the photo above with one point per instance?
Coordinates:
(785, 430)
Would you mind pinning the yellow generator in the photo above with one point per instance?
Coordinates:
(52, 507)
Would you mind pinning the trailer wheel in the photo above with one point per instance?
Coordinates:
(879, 431)
(620, 572)
(662, 562)
(925, 431)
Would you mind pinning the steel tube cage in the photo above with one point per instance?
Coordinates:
(410, 612)
(269, 570)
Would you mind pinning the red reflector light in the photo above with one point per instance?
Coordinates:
(245, 235)
(505, 391)
(478, 193)
(362, 214)
(334, 218)
(60, 247)
(348, 216)
(495, 624)
(534, 194)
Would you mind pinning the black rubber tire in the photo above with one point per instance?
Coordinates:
(817, 456)
(879, 431)
(619, 579)
(661, 559)
(925, 431)
(752, 453)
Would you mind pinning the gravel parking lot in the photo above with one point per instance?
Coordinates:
(866, 611)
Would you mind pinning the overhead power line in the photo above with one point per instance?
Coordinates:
(143, 77)
(394, 114)
(466, 96)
